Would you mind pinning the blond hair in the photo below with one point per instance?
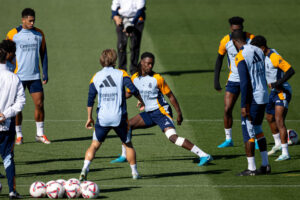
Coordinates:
(108, 58)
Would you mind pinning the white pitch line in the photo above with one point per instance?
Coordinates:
(187, 120)
(196, 186)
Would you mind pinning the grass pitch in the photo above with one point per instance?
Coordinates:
(184, 36)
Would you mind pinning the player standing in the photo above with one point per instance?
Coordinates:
(233, 83)
(12, 101)
(109, 84)
(278, 72)
(153, 87)
(254, 97)
(30, 43)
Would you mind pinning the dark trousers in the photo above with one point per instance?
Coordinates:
(135, 43)
(7, 141)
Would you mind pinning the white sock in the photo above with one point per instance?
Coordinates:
(285, 150)
(228, 133)
(123, 151)
(39, 128)
(251, 163)
(134, 169)
(19, 131)
(277, 139)
(86, 165)
(264, 158)
(196, 150)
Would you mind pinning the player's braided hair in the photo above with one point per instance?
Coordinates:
(144, 55)
(3, 54)
(259, 41)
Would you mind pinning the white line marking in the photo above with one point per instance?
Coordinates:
(187, 120)
(196, 186)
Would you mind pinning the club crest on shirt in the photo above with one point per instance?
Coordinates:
(150, 85)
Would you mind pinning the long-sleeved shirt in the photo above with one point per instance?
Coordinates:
(30, 43)
(251, 68)
(109, 84)
(12, 96)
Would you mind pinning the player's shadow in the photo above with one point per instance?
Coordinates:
(121, 189)
(111, 135)
(59, 160)
(290, 173)
(226, 157)
(178, 73)
(63, 171)
(173, 174)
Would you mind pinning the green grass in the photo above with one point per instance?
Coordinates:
(184, 36)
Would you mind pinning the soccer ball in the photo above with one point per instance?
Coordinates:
(63, 183)
(38, 189)
(55, 190)
(72, 189)
(49, 183)
(74, 180)
(292, 137)
(89, 190)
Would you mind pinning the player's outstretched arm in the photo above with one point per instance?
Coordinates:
(175, 103)
(218, 67)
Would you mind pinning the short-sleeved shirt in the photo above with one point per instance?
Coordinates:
(30, 43)
(152, 89)
(227, 46)
(276, 66)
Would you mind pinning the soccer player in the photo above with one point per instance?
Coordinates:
(278, 72)
(12, 101)
(111, 110)
(233, 83)
(153, 87)
(30, 43)
(254, 97)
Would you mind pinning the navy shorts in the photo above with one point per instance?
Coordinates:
(251, 128)
(101, 132)
(33, 86)
(278, 99)
(233, 87)
(7, 141)
(156, 117)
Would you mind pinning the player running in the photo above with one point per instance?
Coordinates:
(254, 97)
(278, 72)
(233, 83)
(153, 87)
(30, 42)
(109, 84)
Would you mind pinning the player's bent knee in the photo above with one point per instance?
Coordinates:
(179, 141)
(170, 132)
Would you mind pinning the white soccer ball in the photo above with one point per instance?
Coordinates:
(292, 137)
(50, 182)
(89, 190)
(72, 189)
(63, 183)
(55, 190)
(74, 180)
(38, 189)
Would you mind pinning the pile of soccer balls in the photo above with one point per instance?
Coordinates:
(60, 188)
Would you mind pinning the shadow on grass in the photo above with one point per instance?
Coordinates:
(63, 171)
(118, 189)
(59, 160)
(176, 174)
(178, 73)
(112, 135)
(226, 157)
